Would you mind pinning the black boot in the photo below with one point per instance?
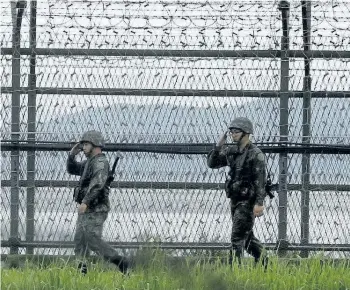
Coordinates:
(82, 268)
(123, 266)
(236, 256)
(121, 263)
(264, 260)
(230, 258)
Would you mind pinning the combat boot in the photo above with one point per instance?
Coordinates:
(235, 256)
(121, 263)
(82, 268)
(264, 260)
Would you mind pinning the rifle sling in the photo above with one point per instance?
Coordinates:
(239, 165)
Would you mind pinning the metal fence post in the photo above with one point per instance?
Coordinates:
(305, 174)
(31, 129)
(283, 157)
(15, 121)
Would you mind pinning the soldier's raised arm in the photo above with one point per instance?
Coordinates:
(74, 167)
(216, 158)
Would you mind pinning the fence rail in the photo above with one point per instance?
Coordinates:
(324, 54)
(176, 92)
(179, 148)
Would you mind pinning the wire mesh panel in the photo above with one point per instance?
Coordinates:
(165, 73)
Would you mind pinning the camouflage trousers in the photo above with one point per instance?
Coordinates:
(88, 237)
(242, 236)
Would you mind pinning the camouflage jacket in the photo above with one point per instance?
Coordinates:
(252, 173)
(93, 174)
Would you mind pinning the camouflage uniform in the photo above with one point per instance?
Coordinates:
(245, 186)
(93, 174)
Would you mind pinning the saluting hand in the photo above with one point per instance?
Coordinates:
(258, 210)
(82, 208)
(222, 140)
(75, 150)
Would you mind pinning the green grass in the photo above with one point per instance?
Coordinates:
(162, 273)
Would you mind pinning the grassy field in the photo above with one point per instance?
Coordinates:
(161, 273)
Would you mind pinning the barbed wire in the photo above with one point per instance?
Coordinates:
(222, 24)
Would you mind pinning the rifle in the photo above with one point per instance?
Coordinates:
(268, 186)
(110, 177)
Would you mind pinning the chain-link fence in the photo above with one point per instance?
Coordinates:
(161, 80)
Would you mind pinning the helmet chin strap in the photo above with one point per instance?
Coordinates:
(240, 139)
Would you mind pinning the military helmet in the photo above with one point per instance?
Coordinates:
(243, 124)
(94, 137)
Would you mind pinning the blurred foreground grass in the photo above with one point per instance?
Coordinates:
(156, 271)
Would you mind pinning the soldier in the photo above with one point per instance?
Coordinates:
(244, 186)
(92, 197)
